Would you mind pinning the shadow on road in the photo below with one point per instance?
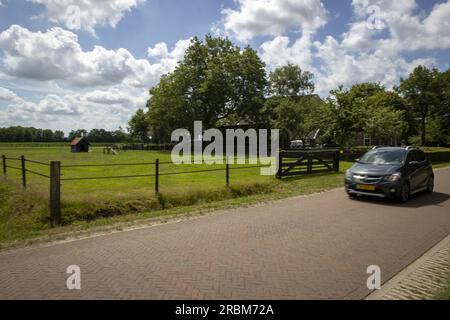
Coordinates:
(416, 201)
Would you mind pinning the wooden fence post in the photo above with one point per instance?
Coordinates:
(310, 164)
(157, 176)
(55, 192)
(4, 165)
(280, 165)
(227, 173)
(336, 161)
(24, 172)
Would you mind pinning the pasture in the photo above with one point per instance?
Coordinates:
(123, 188)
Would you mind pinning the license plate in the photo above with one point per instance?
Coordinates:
(365, 187)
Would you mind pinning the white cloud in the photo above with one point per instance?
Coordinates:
(273, 17)
(102, 87)
(407, 31)
(360, 37)
(7, 95)
(363, 53)
(388, 8)
(433, 32)
(57, 55)
(97, 88)
(342, 66)
(277, 52)
(87, 14)
(97, 109)
(56, 105)
(169, 59)
(110, 96)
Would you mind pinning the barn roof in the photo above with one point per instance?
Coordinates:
(77, 140)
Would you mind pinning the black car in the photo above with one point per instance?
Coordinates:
(388, 172)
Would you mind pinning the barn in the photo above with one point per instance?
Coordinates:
(79, 144)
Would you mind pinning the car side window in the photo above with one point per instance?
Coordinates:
(421, 156)
(410, 157)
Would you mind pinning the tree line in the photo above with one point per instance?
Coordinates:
(25, 134)
(221, 84)
(30, 134)
(100, 135)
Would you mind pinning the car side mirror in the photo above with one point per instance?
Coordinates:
(357, 160)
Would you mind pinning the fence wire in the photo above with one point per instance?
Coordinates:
(109, 177)
(37, 173)
(12, 167)
(37, 162)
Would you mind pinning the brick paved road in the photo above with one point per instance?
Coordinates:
(313, 247)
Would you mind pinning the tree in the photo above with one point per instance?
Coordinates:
(77, 133)
(30, 134)
(288, 115)
(442, 112)
(120, 135)
(215, 81)
(365, 108)
(138, 126)
(296, 118)
(344, 114)
(421, 91)
(58, 136)
(290, 81)
(292, 107)
(385, 118)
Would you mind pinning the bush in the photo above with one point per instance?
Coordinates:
(438, 156)
(435, 157)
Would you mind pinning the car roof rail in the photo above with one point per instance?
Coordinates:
(377, 147)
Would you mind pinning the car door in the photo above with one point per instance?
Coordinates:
(423, 169)
(413, 169)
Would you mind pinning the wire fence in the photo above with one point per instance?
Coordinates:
(56, 178)
(288, 164)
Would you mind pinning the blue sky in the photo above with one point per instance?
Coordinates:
(97, 72)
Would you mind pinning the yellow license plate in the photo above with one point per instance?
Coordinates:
(365, 187)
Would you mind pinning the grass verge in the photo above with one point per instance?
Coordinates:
(444, 294)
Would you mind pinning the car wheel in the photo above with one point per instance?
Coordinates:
(430, 184)
(404, 194)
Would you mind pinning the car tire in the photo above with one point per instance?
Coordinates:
(430, 185)
(404, 193)
(352, 195)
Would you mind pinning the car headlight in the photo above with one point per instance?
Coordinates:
(348, 175)
(395, 177)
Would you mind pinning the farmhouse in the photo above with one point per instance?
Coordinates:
(79, 144)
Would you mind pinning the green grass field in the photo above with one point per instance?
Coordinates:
(87, 203)
(129, 188)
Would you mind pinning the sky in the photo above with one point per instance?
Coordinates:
(72, 64)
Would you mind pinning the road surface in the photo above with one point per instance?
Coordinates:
(313, 247)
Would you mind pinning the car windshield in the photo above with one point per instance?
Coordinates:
(384, 157)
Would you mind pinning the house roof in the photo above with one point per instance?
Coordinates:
(77, 140)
